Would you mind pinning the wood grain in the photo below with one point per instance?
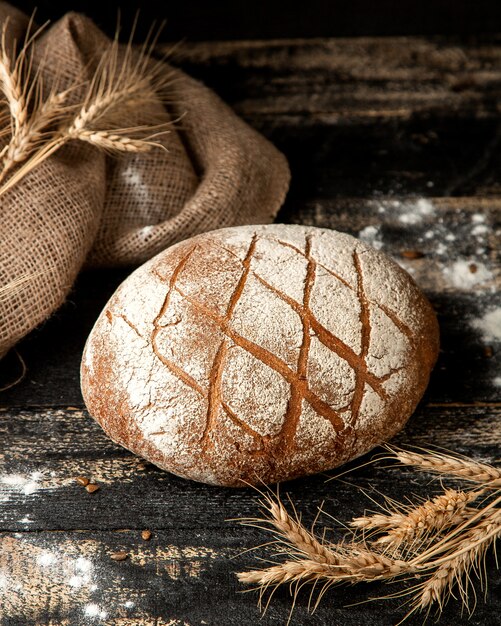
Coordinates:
(60, 445)
(371, 127)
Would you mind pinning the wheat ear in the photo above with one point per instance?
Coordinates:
(468, 554)
(355, 563)
(414, 526)
(446, 464)
(30, 114)
(34, 132)
(13, 87)
(293, 533)
(286, 572)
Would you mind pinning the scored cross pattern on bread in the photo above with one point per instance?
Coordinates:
(297, 379)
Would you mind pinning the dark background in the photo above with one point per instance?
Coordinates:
(198, 20)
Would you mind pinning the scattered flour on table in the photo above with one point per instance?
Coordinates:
(46, 558)
(497, 381)
(26, 484)
(460, 274)
(53, 568)
(413, 212)
(489, 325)
(462, 256)
(408, 212)
(94, 610)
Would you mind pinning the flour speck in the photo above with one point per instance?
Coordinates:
(489, 325)
(92, 610)
(372, 236)
(83, 565)
(45, 559)
(480, 229)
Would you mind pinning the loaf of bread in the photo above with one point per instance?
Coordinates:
(259, 353)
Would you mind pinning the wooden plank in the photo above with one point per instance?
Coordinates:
(198, 20)
(178, 578)
(45, 450)
(358, 78)
(367, 116)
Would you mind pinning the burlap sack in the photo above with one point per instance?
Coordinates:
(81, 205)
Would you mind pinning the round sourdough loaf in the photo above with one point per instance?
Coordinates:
(259, 353)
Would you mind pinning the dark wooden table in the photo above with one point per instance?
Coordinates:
(397, 141)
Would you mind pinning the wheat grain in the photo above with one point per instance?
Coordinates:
(361, 563)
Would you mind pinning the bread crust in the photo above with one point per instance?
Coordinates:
(260, 353)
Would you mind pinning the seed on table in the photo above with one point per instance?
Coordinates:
(473, 268)
(83, 480)
(412, 254)
(146, 535)
(488, 352)
(91, 487)
(119, 556)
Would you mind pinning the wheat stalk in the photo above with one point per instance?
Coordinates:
(444, 538)
(446, 464)
(21, 375)
(124, 81)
